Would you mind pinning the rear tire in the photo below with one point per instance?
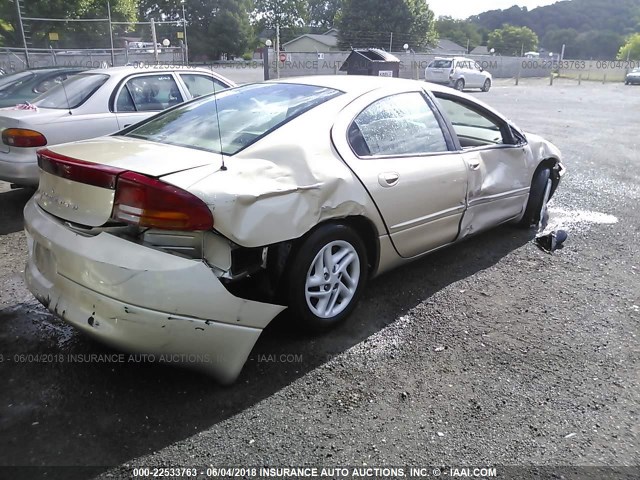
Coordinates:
(539, 195)
(487, 85)
(326, 277)
(459, 85)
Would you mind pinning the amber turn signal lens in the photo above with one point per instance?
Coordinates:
(23, 137)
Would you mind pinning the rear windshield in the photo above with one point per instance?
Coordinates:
(9, 81)
(73, 92)
(242, 116)
(440, 64)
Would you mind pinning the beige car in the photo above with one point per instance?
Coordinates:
(186, 234)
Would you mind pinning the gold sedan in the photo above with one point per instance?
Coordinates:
(184, 235)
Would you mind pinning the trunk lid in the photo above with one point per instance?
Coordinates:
(12, 118)
(83, 191)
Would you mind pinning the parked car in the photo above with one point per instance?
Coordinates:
(459, 73)
(93, 103)
(633, 77)
(26, 85)
(186, 234)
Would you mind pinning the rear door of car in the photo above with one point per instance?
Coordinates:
(396, 145)
(495, 158)
(464, 70)
(145, 94)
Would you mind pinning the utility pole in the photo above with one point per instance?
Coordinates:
(113, 56)
(155, 41)
(277, 50)
(390, 41)
(24, 39)
(184, 31)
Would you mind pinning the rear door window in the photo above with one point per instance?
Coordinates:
(401, 124)
(147, 93)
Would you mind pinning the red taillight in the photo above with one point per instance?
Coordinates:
(78, 170)
(148, 202)
(23, 137)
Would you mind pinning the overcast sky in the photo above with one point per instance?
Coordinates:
(464, 9)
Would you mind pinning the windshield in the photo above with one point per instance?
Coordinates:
(244, 115)
(15, 79)
(73, 92)
(440, 64)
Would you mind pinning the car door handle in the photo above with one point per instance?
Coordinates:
(474, 164)
(127, 125)
(388, 179)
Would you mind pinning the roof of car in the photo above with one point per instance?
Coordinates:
(150, 68)
(360, 83)
(49, 69)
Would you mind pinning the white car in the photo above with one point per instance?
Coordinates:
(94, 103)
(458, 72)
(185, 235)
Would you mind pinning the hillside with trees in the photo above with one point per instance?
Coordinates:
(588, 28)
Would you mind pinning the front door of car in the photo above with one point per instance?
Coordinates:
(498, 184)
(143, 95)
(394, 143)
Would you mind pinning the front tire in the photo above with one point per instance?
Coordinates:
(326, 278)
(487, 85)
(539, 195)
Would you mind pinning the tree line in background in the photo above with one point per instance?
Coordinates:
(587, 28)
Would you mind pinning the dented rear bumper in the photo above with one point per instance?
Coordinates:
(141, 300)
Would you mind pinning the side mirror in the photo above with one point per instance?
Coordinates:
(481, 69)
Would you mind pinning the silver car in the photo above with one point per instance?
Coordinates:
(93, 103)
(458, 72)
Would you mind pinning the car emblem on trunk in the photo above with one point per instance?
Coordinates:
(53, 198)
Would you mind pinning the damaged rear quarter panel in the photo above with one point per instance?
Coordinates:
(282, 186)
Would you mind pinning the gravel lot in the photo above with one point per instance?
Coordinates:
(489, 353)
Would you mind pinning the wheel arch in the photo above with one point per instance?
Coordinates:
(553, 164)
(363, 226)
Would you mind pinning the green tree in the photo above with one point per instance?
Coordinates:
(370, 23)
(631, 49)
(72, 34)
(601, 25)
(555, 39)
(598, 44)
(510, 40)
(229, 31)
(323, 13)
(462, 32)
(213, 26)
(284, 13)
